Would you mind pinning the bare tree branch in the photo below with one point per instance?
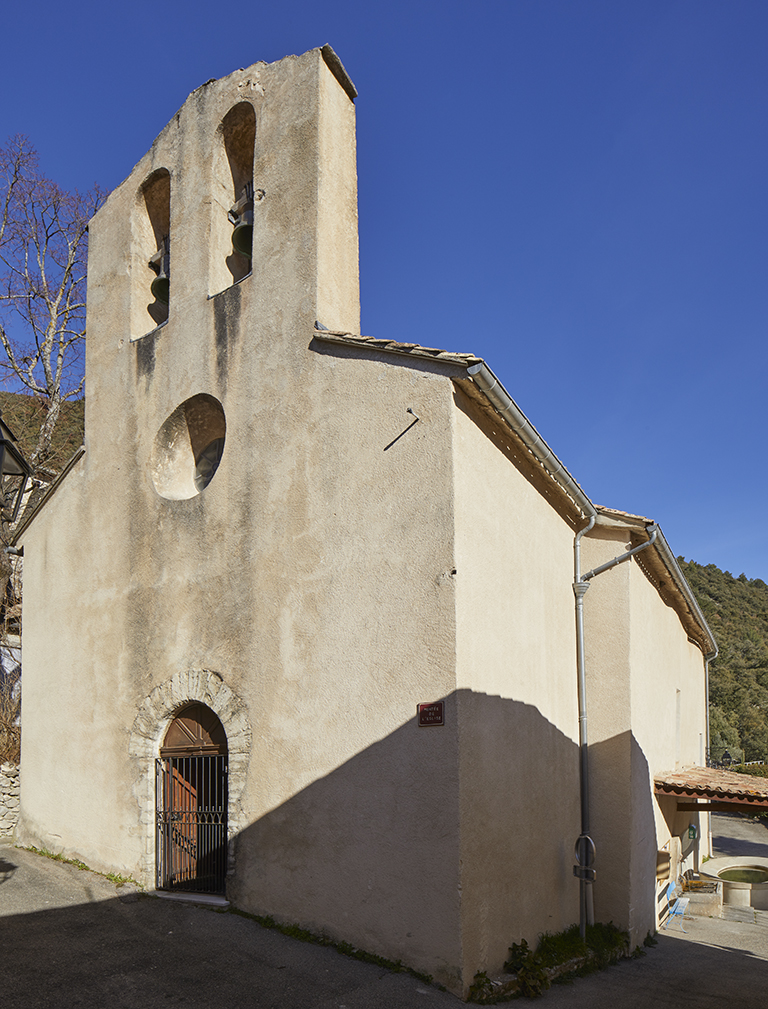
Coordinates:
(43, 253)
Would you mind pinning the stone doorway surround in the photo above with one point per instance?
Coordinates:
(155, 714)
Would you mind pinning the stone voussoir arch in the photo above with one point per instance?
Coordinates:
(156, 713)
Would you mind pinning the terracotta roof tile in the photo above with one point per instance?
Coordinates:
(617, 511)
(395, 347)
(712, 783)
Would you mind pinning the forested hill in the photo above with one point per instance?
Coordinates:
(737, 611)
(24, 414)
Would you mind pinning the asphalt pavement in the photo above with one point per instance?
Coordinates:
(738, 835)
(71, 938)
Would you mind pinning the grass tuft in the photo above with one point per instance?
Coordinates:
(534, 969)
(113, 877)
(345, 948)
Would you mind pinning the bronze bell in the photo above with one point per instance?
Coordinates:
(160, 263)
(241, 215)
(242, 236)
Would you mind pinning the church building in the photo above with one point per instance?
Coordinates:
(300, 630)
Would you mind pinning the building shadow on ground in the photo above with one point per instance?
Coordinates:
(152, 953)
(737, 835)
(680, 971)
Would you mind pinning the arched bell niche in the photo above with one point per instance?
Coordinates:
(230, 240)
(192, 789)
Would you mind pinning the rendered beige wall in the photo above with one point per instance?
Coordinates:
(669, 715)
(516, 678)
(637, 658)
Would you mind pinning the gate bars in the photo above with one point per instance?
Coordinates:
(191, 845)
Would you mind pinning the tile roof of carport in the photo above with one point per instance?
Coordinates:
(716, 787)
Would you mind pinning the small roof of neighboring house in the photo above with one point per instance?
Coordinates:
(714, 784)
(31, 512)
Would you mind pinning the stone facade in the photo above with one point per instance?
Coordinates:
(10, 788)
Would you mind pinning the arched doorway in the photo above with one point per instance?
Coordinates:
(191, 790)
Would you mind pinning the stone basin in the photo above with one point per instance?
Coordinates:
(745, 882)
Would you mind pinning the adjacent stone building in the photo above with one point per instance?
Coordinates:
(283, 536)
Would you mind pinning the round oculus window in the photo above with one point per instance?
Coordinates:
(188, 448)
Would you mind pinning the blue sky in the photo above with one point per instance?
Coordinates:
(575, 191)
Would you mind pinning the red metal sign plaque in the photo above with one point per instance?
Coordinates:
(430, 714)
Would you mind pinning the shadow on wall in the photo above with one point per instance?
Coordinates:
(372, 853)
(624, 830)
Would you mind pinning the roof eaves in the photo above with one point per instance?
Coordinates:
(492, 390)
(484, 380)
(30, 516)
(685, 599)
(374, 344)
(622, 516)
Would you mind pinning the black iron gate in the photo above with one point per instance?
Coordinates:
(192, 823)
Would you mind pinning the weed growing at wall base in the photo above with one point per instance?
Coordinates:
(345, 948)
(113, 877)
(558, 957)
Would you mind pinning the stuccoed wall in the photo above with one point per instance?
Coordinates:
(669, 736)
(309, 577)
(516, 680)
(637, 657)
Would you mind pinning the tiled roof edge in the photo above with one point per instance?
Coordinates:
(395, 347)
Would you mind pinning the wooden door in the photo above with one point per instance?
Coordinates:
(192, 803)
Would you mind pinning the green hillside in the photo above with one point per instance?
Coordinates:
(24, 415)
(737, 611)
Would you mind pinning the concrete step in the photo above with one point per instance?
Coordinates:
(209, 899)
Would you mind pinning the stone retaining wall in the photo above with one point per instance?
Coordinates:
(9, 798)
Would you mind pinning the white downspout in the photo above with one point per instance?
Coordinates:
(500, 400)
(585, 846)
(498, 397)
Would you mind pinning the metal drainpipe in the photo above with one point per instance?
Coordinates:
(585, 846)
(499, 398)
(707, 753)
